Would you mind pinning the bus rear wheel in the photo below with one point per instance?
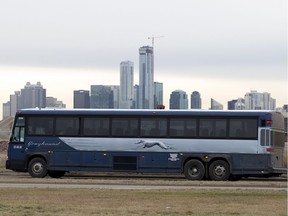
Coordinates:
(37, 168)
(219, 170)
(194, 170)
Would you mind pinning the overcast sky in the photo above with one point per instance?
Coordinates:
(222, 48)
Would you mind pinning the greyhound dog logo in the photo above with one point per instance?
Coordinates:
(151, 143)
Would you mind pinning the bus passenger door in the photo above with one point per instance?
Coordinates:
(16, 148)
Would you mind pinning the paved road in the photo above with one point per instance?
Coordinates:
(9, 179)
(133, 187)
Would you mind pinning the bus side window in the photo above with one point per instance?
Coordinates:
(181, 127)
(16, 135)
(212, 128)
(67, 126)
(125, 127)
(95, 126)
(243, 128)
(40, 126)
(153, 127)
(21, 138)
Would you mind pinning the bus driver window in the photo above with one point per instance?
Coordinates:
(18, 133)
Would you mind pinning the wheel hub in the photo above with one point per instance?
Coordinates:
(194, 171)
(37, 168)
(220, 170)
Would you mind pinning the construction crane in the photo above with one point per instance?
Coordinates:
(153, 37)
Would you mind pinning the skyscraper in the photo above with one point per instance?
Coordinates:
(259, 101)
(6, 109)
(215, 105)
(115, 95)
(158, 94)
(236, 104)
(81, 99)
(14, 102)
(101, 97)
(269, 103)
(146, 78)
(240, 104)
(33, 95)
(231, 104)
(196, 100)
(136, 97)
(52, 102)
(178, 100)
(126, 84)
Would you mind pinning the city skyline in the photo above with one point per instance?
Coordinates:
(222, 49)
(108, 97)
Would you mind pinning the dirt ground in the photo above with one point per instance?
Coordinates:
(3, 146)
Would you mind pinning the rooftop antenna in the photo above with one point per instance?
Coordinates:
(152, 38)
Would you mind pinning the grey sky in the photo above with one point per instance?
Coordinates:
(101, 33)
(235, 39)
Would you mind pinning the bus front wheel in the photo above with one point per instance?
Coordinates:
(37, 168)
(219, 170)
(194, 170)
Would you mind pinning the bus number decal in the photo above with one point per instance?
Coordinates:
(173, 157)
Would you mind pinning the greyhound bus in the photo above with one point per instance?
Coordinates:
(201, 144)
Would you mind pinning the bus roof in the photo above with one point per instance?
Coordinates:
(143, 112)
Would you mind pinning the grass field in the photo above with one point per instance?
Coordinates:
(19, 201)
(202, 202)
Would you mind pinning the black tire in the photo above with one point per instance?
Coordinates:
(37, 168)
(56, 174)
(194, 170)
(219, 170)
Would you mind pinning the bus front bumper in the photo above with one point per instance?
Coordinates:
(17, 165)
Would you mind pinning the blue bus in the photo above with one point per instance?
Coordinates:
(201, 144)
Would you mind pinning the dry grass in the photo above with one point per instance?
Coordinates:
(45, 202)
(134, 202)
(72, 202)
(3, 157)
